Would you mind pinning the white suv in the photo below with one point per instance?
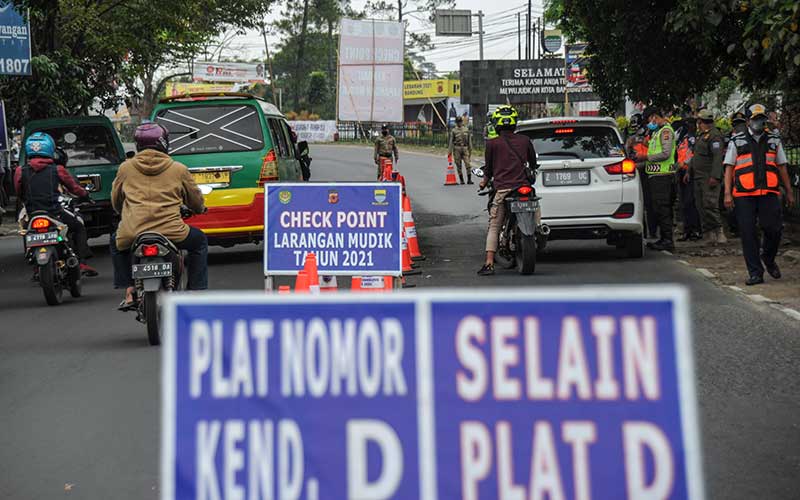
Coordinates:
(589, 189)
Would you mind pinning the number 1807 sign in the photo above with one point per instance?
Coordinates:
(15, 42)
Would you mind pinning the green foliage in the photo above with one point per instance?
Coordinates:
(318, 89)
(622, 122)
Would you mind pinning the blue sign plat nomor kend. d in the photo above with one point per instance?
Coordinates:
(559, 393)
(15, 42)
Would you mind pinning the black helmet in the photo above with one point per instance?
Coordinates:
(61, 157)
(385, 126)
(738, 118)
(636, 120)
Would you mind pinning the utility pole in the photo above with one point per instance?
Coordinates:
(269, 59)
(400, 11)
(480, 33)
(519, 35)
(529, 51)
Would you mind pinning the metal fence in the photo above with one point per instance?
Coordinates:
(414, 133)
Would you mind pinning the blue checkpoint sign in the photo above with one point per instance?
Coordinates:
(503, 394)
(353, 228)
(15, 42)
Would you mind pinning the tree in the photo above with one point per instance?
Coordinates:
(318, 90)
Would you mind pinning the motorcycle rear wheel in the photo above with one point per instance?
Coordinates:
(51, 287)
(151, 317)
(526, 254)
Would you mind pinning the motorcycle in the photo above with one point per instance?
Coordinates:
(46, 243)
(521, 233)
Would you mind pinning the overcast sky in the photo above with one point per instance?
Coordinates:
(499, 26)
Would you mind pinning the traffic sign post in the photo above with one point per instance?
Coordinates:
(354, 229)
(15, 42)
(564, 393)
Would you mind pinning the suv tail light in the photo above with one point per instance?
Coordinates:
(624, 167)
(269, 169)
(625, 211)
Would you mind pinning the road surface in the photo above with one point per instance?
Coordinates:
(79, 386)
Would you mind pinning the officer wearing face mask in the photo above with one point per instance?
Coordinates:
(660, 171)
(385, 148)
(755, 168)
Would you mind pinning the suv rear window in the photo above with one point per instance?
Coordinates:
(86, 144)
(570, 142)
(212, 129)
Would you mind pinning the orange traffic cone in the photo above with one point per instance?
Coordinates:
(328, 284)
(450, 179)
(411, 230)
(310, 267)
(402, 180)
(284, 290)
(386, 169)
(405, 284)
(408, 267)
(371, 284)
(301, 283)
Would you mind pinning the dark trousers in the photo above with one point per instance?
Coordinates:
(650, 219)
(196, 246)
(763, 211)
(689, 213)
(76, 234)
(662, 192)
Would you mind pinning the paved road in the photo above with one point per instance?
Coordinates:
(79, 387)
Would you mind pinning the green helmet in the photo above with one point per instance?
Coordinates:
(505, 116)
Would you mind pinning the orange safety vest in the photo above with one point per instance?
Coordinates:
(685, 154)
(754, 175)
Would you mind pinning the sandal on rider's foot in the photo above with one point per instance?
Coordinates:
(89, 271)
(125, 306)
(486, 270)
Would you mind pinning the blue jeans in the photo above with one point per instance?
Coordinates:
(196, 246)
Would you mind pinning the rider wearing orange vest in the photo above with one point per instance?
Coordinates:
(755, 168)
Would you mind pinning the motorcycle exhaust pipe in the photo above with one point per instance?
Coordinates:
(544, 229)
(72, 262)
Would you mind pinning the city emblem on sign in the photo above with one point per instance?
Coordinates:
(380, 197)
(285, 197)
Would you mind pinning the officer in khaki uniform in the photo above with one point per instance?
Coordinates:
(385, 147)
(461, 149)
(706, 165)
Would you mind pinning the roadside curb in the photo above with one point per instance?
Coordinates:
(754, 297)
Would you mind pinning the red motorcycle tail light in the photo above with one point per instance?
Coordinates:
(40, 223)
(150, 251)
(525, 190)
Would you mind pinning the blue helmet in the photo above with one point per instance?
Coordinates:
(40, 144)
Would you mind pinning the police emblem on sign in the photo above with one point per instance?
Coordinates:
(285, 197)
(333, 196)
(380, 197)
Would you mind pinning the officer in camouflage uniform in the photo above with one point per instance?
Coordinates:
(461, 149)
(385, 147)
(706, 166)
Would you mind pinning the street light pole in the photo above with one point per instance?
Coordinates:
(480, 33)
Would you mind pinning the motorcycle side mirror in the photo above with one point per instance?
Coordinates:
(130, 154)
(477, 172)
(205, 189)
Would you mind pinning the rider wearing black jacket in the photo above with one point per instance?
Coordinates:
(507, 157)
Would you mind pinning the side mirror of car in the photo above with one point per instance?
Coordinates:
(302, 149)
(129, 154)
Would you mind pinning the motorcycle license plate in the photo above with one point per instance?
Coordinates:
(523, 206)
(152, 270)
(41, 239)
(566, 178)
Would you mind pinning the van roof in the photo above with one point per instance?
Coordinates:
(267, 107)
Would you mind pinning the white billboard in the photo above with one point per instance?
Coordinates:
(371, 71)
(208, 71)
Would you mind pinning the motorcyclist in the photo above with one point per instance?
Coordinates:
(39, 183)
(148, 193)
(508, 157)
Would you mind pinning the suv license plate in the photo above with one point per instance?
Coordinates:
(152, 270)
(523, 206)
(566, 178)
(41, 239)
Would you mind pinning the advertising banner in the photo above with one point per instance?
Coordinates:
(577, 75)
(421, 89)
(208, 71)
(371, 71)
(353, 228)
(540, 80)
(316, 131)
(15, 42)
(564, 393)
(172, 89)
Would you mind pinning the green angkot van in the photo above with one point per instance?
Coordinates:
(94, 152)
(233, 143)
